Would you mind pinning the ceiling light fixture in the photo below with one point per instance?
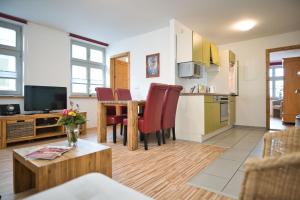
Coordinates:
(244, 25)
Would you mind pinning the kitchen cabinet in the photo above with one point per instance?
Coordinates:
(189, 46)
(232, 110)
(206, 52)
(192, 47)
(184, 42)
(197, 48)
(233, 73)
(215, 57)
(231, 57)
(199, 116)
(211, 114)
(211, 56)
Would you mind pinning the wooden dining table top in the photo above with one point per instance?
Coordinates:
(121, 102)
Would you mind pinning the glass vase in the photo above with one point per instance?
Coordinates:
(72, 134)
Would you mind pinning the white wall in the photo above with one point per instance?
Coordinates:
(251, 102)
(47, 62)
(157, 41)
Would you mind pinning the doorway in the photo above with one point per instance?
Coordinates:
(120, 71)
(281, 83)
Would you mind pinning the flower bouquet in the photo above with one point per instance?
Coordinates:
(72, 119)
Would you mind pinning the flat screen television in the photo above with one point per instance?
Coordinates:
(44, 98)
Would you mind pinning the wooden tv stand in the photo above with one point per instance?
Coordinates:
(16, 128)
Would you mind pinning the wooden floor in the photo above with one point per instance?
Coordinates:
(161, 172)
(277, 124)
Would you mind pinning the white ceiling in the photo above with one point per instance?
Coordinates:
(112, 20)
(278, 56)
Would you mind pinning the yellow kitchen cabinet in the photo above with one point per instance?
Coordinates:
(211, 115)
(206, 52)
(232, 110)
(192, 47)
(215, 57)
(189, 46)
(231, 57)
(197, 48)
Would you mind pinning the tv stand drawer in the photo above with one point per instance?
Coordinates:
(19, 128)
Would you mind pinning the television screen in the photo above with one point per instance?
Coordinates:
(44, 98)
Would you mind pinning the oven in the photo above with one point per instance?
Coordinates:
(223, 108)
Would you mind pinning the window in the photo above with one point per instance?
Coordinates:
(88, 66)
(276, 74)
(10, 59)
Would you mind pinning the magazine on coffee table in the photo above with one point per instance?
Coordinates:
(48, 152)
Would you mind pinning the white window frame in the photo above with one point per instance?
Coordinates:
(17, 52)
(88, 64)
(273, 80)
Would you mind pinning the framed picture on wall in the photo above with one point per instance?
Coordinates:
(152, 65)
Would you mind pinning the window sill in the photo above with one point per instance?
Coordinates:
(82, 97)
(11, 97)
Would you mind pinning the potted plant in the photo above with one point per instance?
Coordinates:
(72, 119)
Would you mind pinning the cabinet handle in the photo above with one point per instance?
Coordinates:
(297, 91)
(20, 120)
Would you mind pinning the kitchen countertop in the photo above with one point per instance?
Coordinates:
(205, 94)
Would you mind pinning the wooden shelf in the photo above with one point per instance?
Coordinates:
(38, 136)
(49, 134)
(19, 139)
(47, 126)
(82, 97)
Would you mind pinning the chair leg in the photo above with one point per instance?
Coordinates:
(145, 141)
(158, 137)
(173, 130)
(115, 133)
(163, 136)
(125, 136)
(141, 137)
(121, 131)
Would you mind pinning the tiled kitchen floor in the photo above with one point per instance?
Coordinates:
(225, 174)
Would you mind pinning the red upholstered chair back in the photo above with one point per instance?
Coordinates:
(153, 108)
(106, 94)
(123, 94)
(170, 106)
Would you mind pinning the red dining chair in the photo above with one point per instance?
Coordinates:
(106, 94)
(123, 95)
(169, 109)
(150, 122)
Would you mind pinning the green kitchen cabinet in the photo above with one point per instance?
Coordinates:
(206, 52)
(232, 110)
(189, 46)
(212, 115)
(231, 57)
(197, 48)
(215, 56)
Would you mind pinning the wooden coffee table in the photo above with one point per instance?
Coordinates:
(43, 174)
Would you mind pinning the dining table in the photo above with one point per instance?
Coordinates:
(132, 116)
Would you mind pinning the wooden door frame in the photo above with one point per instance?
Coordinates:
(112, 69)
(268, 51)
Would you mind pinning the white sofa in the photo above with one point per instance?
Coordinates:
(93, 186)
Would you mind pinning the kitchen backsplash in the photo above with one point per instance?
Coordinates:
(189, 83)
